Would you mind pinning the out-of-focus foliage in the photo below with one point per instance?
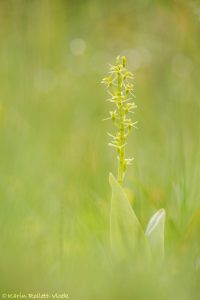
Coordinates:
(54, 191)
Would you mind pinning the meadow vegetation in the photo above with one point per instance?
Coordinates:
(55, 162)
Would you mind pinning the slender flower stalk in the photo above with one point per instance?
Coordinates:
(120, 89)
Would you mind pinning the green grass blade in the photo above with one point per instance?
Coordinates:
(127, 236)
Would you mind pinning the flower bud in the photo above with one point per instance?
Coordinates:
(123, 61)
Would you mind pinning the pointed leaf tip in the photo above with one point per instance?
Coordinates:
(158, 217)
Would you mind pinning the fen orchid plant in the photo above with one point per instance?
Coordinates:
(127, 237)
(120, 88)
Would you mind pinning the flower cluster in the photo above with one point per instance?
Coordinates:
(120, 88)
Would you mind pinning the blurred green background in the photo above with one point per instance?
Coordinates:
(54, 158)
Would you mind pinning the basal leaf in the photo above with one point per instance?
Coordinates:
(155, 234)
(126, 234)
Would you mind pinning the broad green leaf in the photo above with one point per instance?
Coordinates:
(155, 234)
(126, 234)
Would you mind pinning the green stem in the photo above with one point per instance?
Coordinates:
(122, 132)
